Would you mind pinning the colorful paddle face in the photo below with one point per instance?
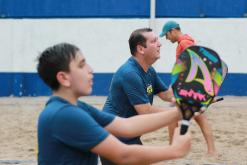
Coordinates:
(196, 79)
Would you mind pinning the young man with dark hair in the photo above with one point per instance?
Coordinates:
(73, 132)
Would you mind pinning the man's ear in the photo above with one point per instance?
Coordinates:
(63, 79)
(140, 49)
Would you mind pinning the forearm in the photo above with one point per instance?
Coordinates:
(152, 122)
(155, 109)
(179, 148)
(136, 154)
(120, 153)
(167, 95)
(141, 124)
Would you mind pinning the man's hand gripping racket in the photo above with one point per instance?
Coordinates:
(196, 79)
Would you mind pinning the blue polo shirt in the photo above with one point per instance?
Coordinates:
(130, 86)
(67, 133)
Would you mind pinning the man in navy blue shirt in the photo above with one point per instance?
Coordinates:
(136, 82)
(72, 132)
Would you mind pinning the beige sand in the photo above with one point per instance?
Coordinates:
(18, 131)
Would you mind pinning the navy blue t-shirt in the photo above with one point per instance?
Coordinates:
(67, 132)
(130, 86)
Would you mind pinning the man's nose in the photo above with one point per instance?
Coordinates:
(159, 43)
(90, 69)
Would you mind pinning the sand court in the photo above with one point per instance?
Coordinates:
(18, 139)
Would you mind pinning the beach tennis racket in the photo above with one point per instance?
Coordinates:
(224, 73)
(196, 79)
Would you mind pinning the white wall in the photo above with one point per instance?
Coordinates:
(104, 42)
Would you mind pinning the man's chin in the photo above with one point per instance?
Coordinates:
(158, 57)
(86, 93)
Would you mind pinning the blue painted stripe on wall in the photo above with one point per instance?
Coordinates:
(73, 8)
(22, 84)
(29, 84)
(199, 8)
(120, 8)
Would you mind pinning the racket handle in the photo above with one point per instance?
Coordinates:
(184, 127)
(219, 99)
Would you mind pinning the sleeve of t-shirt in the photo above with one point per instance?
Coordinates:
(76, 128)
(134, 88)
(185, 44)
(101, 117)
(159, 85)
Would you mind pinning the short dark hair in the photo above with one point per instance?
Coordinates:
(137, 38)
(54, 59)
(178, 28)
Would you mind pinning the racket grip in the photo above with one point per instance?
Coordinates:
(219, 99)
(184, 127)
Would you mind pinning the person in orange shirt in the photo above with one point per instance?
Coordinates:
(171, 30)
